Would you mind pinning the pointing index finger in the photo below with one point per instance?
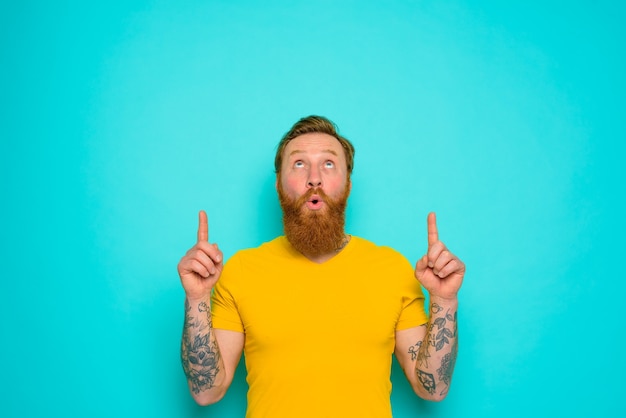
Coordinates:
(203, 227)
(433, 234)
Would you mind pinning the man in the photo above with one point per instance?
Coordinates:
(318, 312)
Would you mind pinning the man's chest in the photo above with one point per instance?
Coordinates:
(288, 312)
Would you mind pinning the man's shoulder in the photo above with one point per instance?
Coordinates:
(365, 249)
(276, 247)
(270, 245)
(363, 244)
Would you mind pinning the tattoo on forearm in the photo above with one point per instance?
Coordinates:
(427, 380)
(443, 334)
(442, 329)
(414, 350)
(447, 365)
(435, 309)
(200, 357)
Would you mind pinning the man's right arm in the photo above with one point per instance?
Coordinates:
(209, 356)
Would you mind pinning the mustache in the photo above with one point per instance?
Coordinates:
(315, 191)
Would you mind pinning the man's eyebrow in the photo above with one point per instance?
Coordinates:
(299, 151)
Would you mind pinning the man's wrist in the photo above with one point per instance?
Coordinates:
(197, 301)
(441, 301)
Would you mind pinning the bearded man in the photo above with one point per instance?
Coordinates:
(317, 312)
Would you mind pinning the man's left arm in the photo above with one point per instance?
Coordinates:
(427, 354)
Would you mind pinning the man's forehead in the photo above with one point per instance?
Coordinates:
(316, 142)
(321, 151)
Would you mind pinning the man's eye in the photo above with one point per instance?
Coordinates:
(329, 164)
(298, 164)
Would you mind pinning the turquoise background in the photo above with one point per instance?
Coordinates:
(121, 119)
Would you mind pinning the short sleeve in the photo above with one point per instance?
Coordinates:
(413, 310)
(224, 309)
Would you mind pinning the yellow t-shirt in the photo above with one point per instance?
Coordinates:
(318, 337)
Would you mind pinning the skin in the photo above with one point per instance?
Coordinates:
(314, 160)
(427, 354)
(199, 270)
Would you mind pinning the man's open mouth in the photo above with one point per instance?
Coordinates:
(315, 202)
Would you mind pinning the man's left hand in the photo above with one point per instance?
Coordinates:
(439, 271)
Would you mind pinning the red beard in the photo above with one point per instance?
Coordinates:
(314, 233)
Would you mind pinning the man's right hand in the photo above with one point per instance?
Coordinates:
(202, 266)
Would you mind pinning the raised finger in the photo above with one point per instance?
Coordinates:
(433, 234)
(203, 227)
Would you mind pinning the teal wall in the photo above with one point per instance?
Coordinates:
(119, 120)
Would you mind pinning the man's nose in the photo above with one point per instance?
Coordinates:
(315, 180)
